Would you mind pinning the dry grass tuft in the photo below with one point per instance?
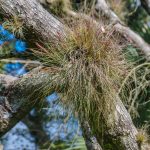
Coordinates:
(89, 66)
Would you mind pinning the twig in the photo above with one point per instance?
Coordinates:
(20, 61)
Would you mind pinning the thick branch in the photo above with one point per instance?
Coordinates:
(34, 17)
(102, 7)
(120, 128)
(5, 81)
(131, 35)
(19, 96)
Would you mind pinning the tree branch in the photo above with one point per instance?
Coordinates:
(34, 17)
(19, 95)
(120, 127)
(27, 63)
(90, 140)
(102, 7)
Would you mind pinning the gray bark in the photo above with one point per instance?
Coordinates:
(19, 96)
(120, 127)
(34, 17)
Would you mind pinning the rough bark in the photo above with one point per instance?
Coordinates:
(104, 10)
(42, 22)
(34, 17)
(120, 127)
(146, 5)
(19, 96)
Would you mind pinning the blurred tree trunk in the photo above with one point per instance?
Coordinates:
(146, 5)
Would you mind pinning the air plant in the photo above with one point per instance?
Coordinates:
(89, 66)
